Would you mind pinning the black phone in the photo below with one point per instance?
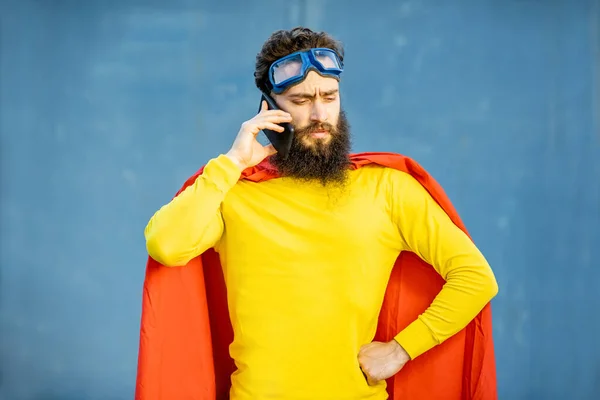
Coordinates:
(282, 141)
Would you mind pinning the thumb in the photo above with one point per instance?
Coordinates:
(371, 381)
(264, 106)
(368, 378)
(270, 150)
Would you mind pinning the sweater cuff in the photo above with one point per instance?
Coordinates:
(416, 339)
(223, 172)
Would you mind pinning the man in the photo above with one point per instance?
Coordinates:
(307, 254)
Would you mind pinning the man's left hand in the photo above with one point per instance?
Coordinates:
(379, 360)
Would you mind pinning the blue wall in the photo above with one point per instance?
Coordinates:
(107, 106)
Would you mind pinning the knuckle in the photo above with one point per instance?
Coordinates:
(248, 126)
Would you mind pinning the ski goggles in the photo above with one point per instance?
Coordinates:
(293, 68)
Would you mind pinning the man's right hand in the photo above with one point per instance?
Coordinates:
(246, 151)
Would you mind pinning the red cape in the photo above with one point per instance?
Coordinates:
(186, 332)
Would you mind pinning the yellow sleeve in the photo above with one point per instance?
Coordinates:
(192, 223)
(470, 283)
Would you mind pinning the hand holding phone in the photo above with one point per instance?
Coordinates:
(246, 150)
(281, 141)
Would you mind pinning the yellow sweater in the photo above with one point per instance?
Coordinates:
(306, 269)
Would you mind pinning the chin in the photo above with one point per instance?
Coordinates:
(311, 142)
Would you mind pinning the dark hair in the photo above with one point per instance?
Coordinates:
(282, 42)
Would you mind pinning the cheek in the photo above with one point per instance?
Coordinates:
(300, 120)
(334, 113)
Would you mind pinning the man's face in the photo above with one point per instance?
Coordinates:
(314, 105)
(321, 145)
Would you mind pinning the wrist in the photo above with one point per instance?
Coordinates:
(400, 354)
(236, 160)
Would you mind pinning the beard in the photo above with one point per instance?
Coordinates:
(324, 162)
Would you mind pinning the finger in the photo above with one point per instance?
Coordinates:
(271, 126)
(365, 375)
(255, 128)
(370, 381)
(275, 114)
(273, 120)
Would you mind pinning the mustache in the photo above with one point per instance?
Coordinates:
(324, 163)
(316, 127)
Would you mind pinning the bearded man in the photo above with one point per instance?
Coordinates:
(315, 252)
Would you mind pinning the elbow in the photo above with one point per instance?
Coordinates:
(490, 288)
(160, 251)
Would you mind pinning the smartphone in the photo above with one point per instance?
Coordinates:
(282, 141)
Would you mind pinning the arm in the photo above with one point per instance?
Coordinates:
(192, 223)
(470, 283)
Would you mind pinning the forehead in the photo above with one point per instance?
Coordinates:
(314, 83)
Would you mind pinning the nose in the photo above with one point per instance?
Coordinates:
(318, 112)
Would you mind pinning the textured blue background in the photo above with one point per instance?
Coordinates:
(106, 107)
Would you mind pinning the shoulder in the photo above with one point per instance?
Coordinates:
(394, 177)
(387, 165)
(400, 188)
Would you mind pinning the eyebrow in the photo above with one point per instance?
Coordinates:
(312, 96)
